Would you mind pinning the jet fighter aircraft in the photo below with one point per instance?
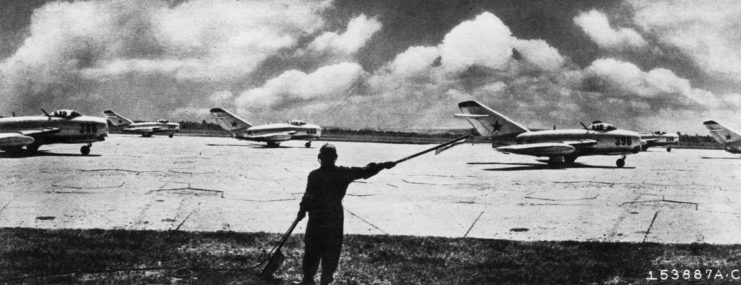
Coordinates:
(658, 138)
(560, 146)
(272, 134)
(729, 138)
(146, 129)
(61, 126)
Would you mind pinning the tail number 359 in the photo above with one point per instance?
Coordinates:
(623, 141)
(88, 128)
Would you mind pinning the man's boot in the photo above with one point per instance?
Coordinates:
(304, 282)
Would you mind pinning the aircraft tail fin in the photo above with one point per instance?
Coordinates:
(229, 121)
(488, 122)
(721, 133)
(116, 119)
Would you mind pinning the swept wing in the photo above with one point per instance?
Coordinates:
(142, 129)
(547, 148)
(25, 137)
(14, 140)
(35, 133)
(274, 137)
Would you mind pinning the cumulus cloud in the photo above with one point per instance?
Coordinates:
(420, 87)
(294, 86)
(221, 98)
(359, 30)
(613, 76)
(196, 40)
(414, 61)
(705, 32)
(72, 45)
(540, 54)
(596, 25)
(484, 41)
(154, 57)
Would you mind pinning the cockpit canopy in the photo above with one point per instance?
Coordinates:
(296, 122)
(602, 127)
(161, 121)
(67, 114)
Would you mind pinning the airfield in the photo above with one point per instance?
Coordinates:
(221, 184)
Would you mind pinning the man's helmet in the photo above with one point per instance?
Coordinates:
(328, 151)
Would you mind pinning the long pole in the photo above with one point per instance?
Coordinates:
(450, 143)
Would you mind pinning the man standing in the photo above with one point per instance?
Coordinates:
(325, 189)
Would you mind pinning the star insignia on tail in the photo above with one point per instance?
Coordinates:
(497, 127)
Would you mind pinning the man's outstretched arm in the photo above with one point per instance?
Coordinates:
(370, 170)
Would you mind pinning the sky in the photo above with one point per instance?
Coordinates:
(388, 64)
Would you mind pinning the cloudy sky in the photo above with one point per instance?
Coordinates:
(642, 65)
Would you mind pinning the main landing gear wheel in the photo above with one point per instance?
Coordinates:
(307, 144)
(147, 135)
(556, 161)
(669, 149)
(85, 149)
(171, 135)
(620, 162)
(273, 144)
(32, 148)
(570, 159)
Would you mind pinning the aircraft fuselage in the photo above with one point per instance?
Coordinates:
(614, 142)
(733, 147)
(661, 140)
(83, 129)
(156, 127)
(303, 132)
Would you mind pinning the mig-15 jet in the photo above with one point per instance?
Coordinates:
(560, 146)
(272, 134)
(146, 129)
(61, 126)
(660, 139)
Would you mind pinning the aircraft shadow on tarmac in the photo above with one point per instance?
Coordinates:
(258, 146)
(42, 153)
(720, 157)
(537, 166)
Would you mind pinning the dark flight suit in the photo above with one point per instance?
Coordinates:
(323, 200)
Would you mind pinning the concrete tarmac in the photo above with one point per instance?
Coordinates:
(212, 184)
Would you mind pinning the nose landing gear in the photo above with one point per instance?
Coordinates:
(307, 144)
(620, 162)
(85, 149)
